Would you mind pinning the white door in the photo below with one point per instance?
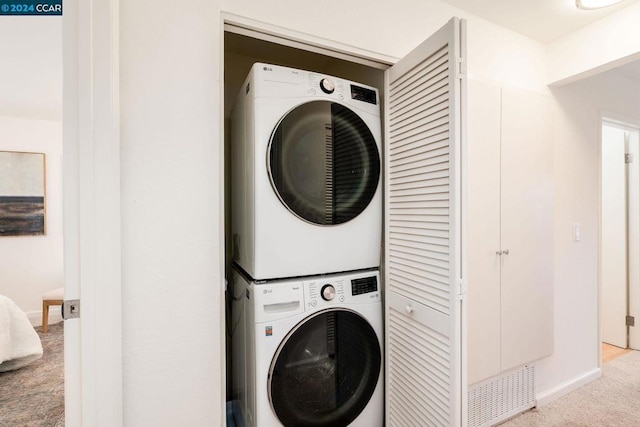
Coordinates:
(423, 239)
(526, 228)
(633, 233)
(91, 184)
(614, 237)
(483, 230)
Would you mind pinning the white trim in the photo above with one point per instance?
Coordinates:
(91, 156)
(462, 162)
(595, 71)
(71, 222)
(566, 387)
(508, 416)
(619, 120)
(599, 331)
(384, 270)
(263, 31)
(221, 229)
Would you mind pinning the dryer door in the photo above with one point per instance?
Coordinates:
(325, 371)
(324, 163)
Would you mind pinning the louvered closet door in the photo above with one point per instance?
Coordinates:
(423, 233)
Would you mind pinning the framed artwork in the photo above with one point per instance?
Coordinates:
(22, 194)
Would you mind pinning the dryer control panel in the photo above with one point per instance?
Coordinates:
(274, 81)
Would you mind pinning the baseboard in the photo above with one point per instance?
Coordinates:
(35, 317)
(550, 395)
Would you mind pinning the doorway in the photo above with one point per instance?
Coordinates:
(620, 238)
(31, 220)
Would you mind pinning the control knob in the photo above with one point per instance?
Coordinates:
(327, 86)
(328, 292)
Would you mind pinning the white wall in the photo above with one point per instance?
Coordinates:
(171, 213)
(601, 46)
(32, 265)
(493, 52)
(31, 75)
(576, 168)
(172, 184)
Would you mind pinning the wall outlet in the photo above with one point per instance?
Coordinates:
(576, 232)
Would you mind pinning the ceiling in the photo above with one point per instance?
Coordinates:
(541, 20)
(631, 70)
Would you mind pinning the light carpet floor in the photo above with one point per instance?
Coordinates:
(613, 400)
(33, 396)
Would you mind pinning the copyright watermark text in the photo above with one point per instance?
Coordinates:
(30, 7)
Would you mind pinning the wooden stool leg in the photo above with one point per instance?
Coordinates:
(45, 316)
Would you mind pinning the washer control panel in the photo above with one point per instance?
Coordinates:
(322, 290)
(358, 288)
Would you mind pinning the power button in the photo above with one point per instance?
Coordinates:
(327, 86)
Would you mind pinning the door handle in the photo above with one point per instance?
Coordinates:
(506, 252)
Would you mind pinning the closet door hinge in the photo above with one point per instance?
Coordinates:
(462, 289)
(631, 321)
(628, 158)
(461, 68)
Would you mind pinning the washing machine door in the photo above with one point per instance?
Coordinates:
(325, 371)
(324, 163)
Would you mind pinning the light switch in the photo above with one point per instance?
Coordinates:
(576, 232)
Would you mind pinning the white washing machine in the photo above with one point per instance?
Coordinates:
(308, 351)
(306, 186)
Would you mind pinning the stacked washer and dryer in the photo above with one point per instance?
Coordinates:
(307, 316)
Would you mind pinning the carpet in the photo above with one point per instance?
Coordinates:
(612, 400)
(33, 396)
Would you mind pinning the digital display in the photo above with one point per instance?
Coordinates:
(364, 94)
(364, 285)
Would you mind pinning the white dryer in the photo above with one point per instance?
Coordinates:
(306, 186)
(308, 351)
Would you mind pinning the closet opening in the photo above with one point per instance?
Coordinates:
(242, 48)
(425, 117)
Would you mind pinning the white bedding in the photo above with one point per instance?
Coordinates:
(19, 342)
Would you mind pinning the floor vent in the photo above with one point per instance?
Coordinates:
(500, 398)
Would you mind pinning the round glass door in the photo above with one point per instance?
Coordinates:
(324, 163)
(325, 371)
